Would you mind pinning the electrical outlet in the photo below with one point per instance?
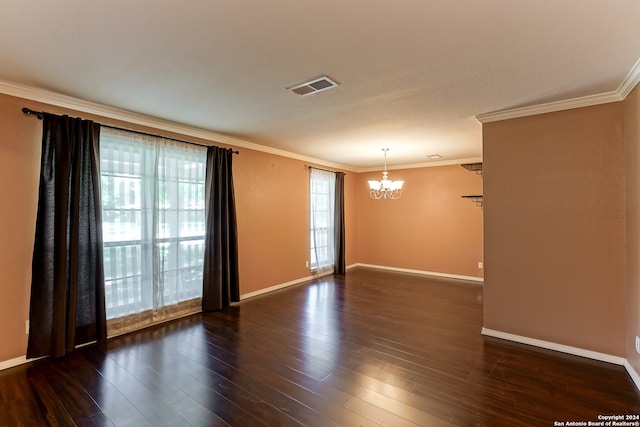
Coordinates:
(306, 264)
(480, 265)
(26, 327)
(637, 344)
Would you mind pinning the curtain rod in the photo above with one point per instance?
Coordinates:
(320, 169)
(40, 116)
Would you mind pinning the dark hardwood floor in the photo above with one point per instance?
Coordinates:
(371, 348)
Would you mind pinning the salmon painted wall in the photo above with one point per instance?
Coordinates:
(554, 227)
(632, 170)
(272, 195)
(430, 228)
(19, 171)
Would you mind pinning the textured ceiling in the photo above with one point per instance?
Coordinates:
(413, 74)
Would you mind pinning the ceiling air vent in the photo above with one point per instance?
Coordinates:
(314, 86)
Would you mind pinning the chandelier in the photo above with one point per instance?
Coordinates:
(385, 189)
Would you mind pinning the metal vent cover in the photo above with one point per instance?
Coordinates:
(316, 85)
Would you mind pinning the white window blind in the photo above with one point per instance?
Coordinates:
(153, 222)
(322, 208)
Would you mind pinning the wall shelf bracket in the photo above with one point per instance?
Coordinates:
(477, 199)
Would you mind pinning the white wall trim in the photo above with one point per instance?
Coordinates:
(351, 266)
(64, 101)
(422, 272)
(52, 98)
(423, 165)
(627, 85)
(550, 107)
(279, 286)
(632, 373)
(616, 360)
(632, 79)
(11, 363)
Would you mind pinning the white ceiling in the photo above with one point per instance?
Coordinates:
(413, 74)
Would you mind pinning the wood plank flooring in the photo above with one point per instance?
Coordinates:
(371, 348)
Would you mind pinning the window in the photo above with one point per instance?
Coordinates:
(153, 222)
(322, 198)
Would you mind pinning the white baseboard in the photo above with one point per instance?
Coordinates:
(632, 373)
(11, 363)
(351, 266)
(616, 360)
(280, 286)
(423, 272)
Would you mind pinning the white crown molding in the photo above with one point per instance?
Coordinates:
(550, 107)
(555, 346)
(423, 165)
(64, 101)
(56, 99)
(627, 85)
(630, 82)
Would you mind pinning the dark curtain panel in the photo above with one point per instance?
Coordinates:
(221, 282)
(67, 286)
(338, 224)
